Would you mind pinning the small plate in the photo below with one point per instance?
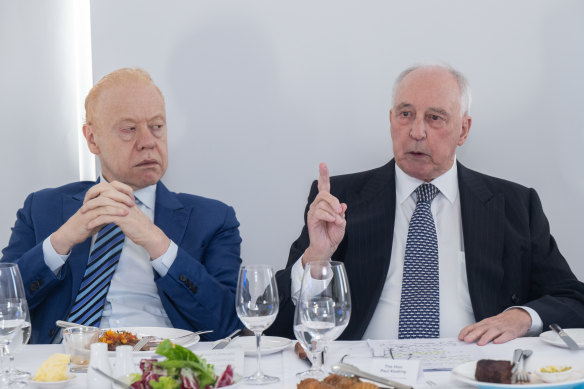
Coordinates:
(466, 373)
(53, 384)
(269, 344)
(161, 333)
(552, 338)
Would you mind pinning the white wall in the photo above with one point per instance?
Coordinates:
(259, 92)
(39, 96)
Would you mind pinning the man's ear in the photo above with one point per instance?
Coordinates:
(89, 133)
(466, 122)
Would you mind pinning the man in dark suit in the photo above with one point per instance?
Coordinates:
(501, 275)
(180, 254)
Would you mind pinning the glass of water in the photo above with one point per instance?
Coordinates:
(323, 310)
(14, 321)
(256, 303)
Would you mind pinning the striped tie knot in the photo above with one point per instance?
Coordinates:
(426, 193)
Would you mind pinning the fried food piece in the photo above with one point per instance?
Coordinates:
(311, 383)
(364, 385)
(299, 350)
(341, 382)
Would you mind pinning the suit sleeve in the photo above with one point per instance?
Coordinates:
(200, 286)
(558, 296)
(283, 324)
(25, 249)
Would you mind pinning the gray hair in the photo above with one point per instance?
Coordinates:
(463, 84)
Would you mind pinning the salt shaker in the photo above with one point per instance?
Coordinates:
(124, 362)
(99, 359)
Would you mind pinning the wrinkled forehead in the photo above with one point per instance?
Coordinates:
(429, 88)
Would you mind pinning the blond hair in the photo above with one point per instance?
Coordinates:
(117, 77)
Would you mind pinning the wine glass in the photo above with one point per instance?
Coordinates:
(13, 316)
(323, 310)
(256, 303)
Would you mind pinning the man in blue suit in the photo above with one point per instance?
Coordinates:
(180, 255)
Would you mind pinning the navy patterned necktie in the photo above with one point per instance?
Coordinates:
(419, 313)
(100, 269)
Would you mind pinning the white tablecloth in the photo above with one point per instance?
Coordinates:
(286, 364)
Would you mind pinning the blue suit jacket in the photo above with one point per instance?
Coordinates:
(511, 258)
(198, 292)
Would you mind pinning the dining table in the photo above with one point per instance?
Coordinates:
(285, 363)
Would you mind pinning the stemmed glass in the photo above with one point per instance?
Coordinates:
(14, 320)
(322, 312)
(256, 303)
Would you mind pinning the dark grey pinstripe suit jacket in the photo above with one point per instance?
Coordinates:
(511, 258)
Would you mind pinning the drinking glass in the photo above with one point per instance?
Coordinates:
(78, 341)
(256, 303)
(323, 310)
(13, 316)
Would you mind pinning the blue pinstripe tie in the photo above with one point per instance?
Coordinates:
(419, 314)
(100, 269)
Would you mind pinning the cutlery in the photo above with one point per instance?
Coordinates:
(112, 379)
(564, 336)
(345, 368)
(517, 354)
(523, 376)
(225, 341)
(67, 324)
(142, 342)
(155, 341)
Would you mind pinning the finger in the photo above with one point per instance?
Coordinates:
(343, 209)
(324, 183)
(321, 214)
(504, 337)
(488, 336)
(102, 202)
(330, 199)
(110, 191)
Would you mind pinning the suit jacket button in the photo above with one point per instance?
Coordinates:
(182, 278)
(515, 298)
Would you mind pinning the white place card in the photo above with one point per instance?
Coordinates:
(400, 370)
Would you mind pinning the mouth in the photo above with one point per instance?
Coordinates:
(417, 154)
(147, 163)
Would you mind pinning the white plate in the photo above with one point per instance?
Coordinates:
(161, 333)
(552, 338)
(466, 373)
(269, 344)
(52, 385)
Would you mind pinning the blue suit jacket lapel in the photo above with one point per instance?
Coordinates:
(170, 214)
(483, 224)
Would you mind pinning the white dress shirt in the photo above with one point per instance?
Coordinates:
(132, 299)
(455, 306)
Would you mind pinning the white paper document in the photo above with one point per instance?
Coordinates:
(402, 371)
(435, 354)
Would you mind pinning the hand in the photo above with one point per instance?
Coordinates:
(103, 199)
(502, 328)
(325, 221)
(134, 223)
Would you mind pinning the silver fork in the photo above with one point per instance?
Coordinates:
(522, 375)
(142, 342)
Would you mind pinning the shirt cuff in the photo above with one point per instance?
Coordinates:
(165, 261)
(296, 279)
(53, 260)
(536, 322)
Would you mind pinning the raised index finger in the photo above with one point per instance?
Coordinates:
(324, 182)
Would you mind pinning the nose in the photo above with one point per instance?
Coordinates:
(144, 139)
(418, 130)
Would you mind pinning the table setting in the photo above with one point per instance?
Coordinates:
(322, 312)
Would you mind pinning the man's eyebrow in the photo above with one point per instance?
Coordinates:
(158, 117)
(403, 105)
(439, 111)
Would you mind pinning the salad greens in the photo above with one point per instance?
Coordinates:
(182, 369)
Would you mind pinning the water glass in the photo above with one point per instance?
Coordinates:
(78, 341)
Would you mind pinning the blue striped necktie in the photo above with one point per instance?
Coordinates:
(100, 269)
(419, 314)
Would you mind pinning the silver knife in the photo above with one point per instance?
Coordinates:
(225, 341)
(112, 379)
(572, 345)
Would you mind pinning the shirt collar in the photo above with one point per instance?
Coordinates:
(447, 183)
(147, 195)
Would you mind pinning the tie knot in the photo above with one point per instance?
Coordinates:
(426, 193)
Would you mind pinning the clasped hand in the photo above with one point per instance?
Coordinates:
(325, 221)
(107, 203)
